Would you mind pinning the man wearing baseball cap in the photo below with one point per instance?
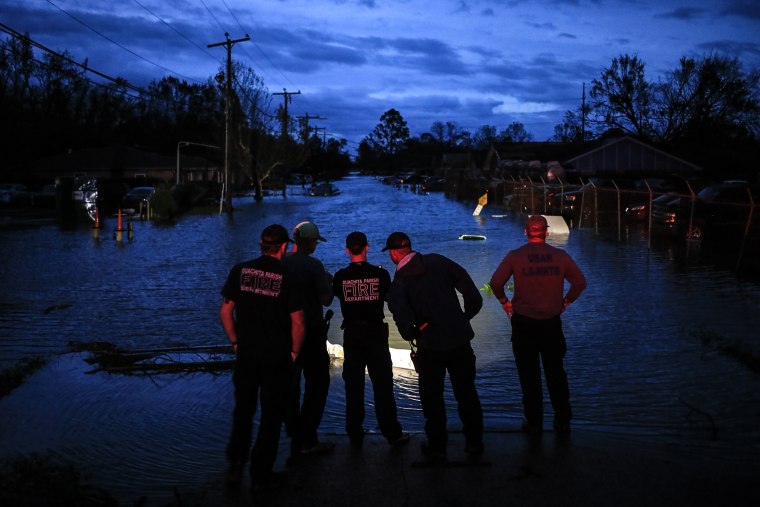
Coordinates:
(425, 306)
(315, 283)
(362, 289)
(539, 271)
(262, 315)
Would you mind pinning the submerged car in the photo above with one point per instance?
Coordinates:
(14, 194)
(325, 189)
(45, 198)
(726, 208)
(137, 200)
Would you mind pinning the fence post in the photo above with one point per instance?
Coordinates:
(617, 192)
(543, 192)
(746, 228)
(532, 198)
(649, 216)
(583, 199)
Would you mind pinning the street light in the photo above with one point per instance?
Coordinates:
(188, 143)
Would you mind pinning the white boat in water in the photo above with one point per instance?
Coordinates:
(399, 357)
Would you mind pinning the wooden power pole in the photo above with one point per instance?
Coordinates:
(286, 96)
(225, 200)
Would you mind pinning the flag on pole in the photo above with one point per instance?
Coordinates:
(482, 201)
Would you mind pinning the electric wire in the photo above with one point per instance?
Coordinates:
(118, 44)
(121, 84)
(168, 25)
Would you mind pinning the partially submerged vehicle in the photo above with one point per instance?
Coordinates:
(325, 189)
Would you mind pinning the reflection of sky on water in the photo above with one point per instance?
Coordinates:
(635, 360)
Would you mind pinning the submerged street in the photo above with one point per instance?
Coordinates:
(646, 356)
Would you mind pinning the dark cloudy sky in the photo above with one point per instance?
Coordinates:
(475, 62)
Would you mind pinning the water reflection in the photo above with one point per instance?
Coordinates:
(636, 361)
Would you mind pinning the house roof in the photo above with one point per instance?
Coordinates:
(114, 159)
(627, 154)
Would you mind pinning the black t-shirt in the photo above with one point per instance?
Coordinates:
(264, 296)
(361, 289)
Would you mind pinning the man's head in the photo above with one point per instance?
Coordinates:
(398, 246)
(356, 243)
(536, 228)
(274, 240)
(306, 235)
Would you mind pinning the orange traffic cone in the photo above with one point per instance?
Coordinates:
(118, 233)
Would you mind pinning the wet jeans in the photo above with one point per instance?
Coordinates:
(536, 342)
(432, 368)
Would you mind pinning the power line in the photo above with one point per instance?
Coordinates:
(214, 16)
(117, 44)
(176, 31)
(120, 82)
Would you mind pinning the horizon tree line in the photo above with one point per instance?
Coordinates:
(707, 110)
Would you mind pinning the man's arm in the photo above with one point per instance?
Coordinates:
(403, 314)
(577, 282)
(497, 282)
(325, 286)
(297, 332)
(499, 279)
(227, 316)
(473, 301)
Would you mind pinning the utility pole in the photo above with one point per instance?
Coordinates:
(324, 135)
(225, 200)
(305, 118)
(286, 99)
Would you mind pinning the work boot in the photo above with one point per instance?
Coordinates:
(400, 441)
(268, 481)
(319, 448)
(431, 453)
(234, 475)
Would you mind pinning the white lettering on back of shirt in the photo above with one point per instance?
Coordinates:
(260, 282)
(367, 289)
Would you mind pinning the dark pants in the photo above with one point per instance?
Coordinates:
(365, 345)
(267, 383)
(535, 342)
(432, 366)
(314, 365)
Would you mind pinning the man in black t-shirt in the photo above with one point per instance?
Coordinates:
(361, 289)
(262, 315)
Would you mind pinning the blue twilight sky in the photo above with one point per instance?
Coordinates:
(475, 62)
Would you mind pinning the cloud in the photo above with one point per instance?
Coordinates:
(683, 13)
(743, 8)
(749, 50)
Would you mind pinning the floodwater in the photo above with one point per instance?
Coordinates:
(638, 361)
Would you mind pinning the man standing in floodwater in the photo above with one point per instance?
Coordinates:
(539, 272)
(362, 289)
(315, 284)
(425, 306)
(262, 315)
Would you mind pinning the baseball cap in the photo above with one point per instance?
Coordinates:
(536, 223)
(274, 235)
(307, 230)
(397, 240)
(357, 239)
